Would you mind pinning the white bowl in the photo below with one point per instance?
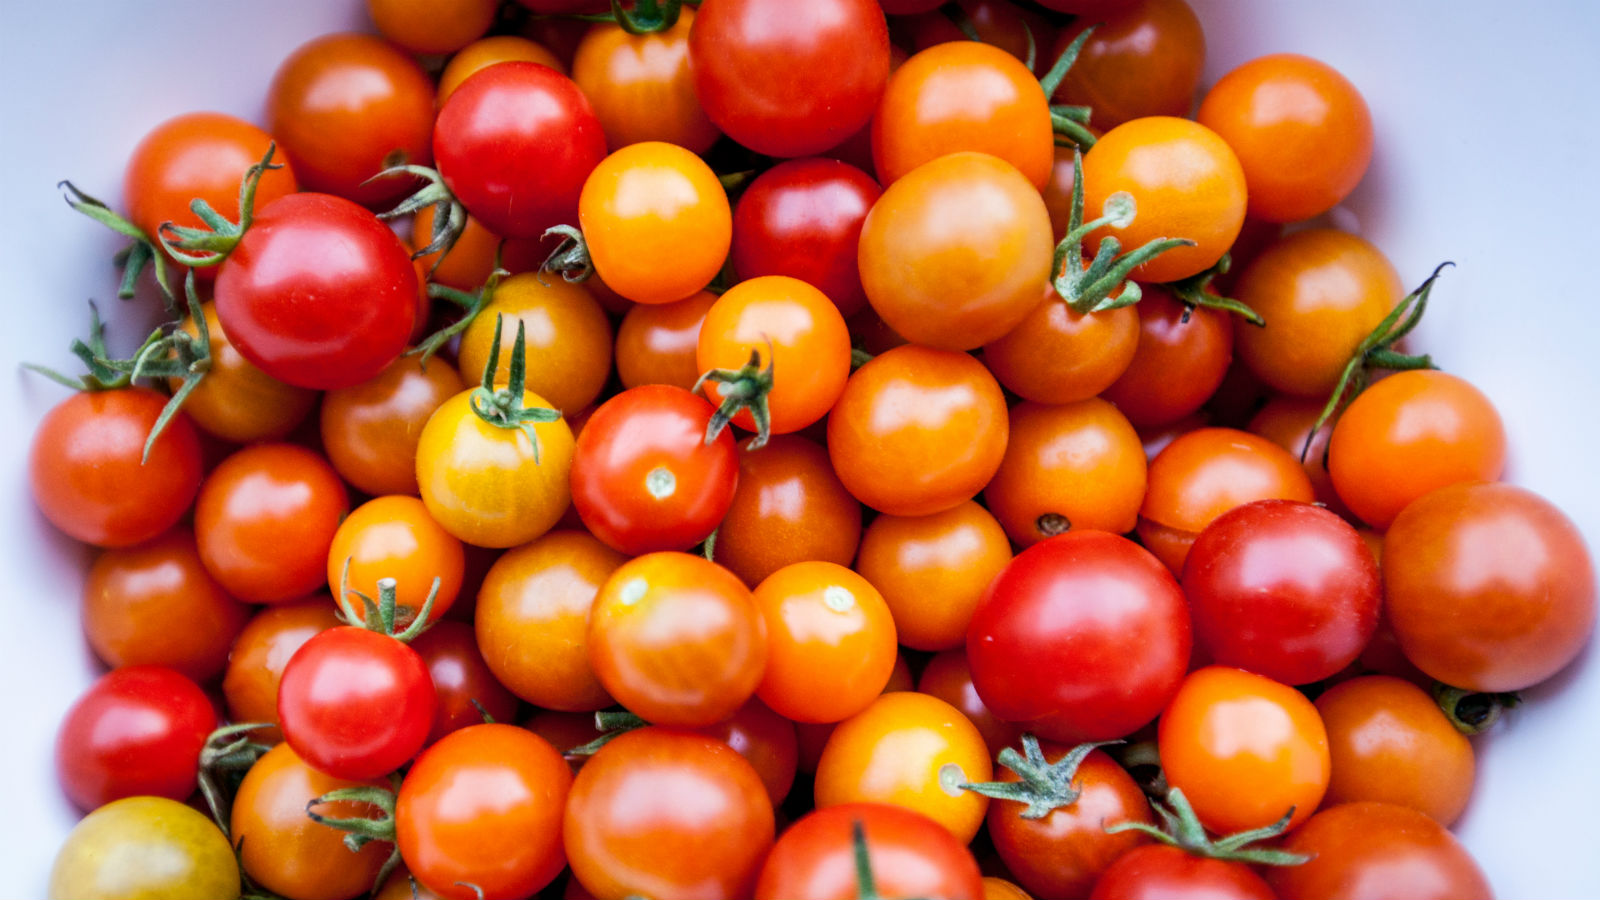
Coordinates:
(1486, 137)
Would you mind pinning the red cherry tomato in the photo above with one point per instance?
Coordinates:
(465, 690)
(1181, 358)
(1142, 60)
(910, 854)
(1161, 871)
(137, 730)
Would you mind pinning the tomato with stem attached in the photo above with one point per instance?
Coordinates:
(1180, 358)
(1142, 60)
(394, 537)
(136, 731)
(641, 85)
(1158, 871)
(909, 854)
(477, 250)
(145, 847)
(489, 51)
(1059, 355)
(235, 400)
(566, 334)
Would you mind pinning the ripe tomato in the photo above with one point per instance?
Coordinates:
(533, 619)
(483, 806)
(1284, 589)
(766, 740)
(997, 22)
(402, 885)
(282, 849)
(677, 639)
(656, 343)
(789, 507)
(1286, 421)
(1245, 750)
(566, 333)
(963, 96)
(1321, 293)
(1078, 465)
(656, 221)
(394, 537)
(802, 218)
(954, 254)
(485, 52)
(1082, 637)
(786, 80)
(1142, 60)
(235, 400)
(1488, 586)
(265, 519)
(1365, 849)
(429, 27)
(263, 648)
(1159, 871)
(948, 677)
(641, 86)
(1056, 355)
(1185, 182)
(145, 847)
(812, 737)
(1302, 132)
(1001, 889)
(461, 680)
(830, 642)
(370, 431)
(85, 472)
(644, 478)
(344, 107)
(910, 854)
(1181, 357)
(918, 431)
(933, 569)
(1410, 434)
(133, 597)
(667, 814)
(136, 730)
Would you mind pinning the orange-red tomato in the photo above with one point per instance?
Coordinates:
(432, 26)
(1142, 60)
(830, 642)
(472, 257)
(481, 54)
(788, 507)
(656, 343)
(235, 400)
(812, 737)
(1056, 355)
(1361, 850)
(467, 691)
(394, 537)
(948, 677)
(566, 334)
(641, 87)
(1181, 358)
(993, 889)
(767, 742)
(370, 431)
(263, 648)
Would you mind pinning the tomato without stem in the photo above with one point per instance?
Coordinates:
(656, 343)
(1180, 359)
(932, 570)
(1367, 849)
(264, 647)
(830, 642)
(370, 431)
(481, 54)
(789, 507)
(430, 26)
(1143, 60)
(465, 690)
(137, 730)
(145, 847)
(641, 86)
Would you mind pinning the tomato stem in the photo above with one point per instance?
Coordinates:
(1183, 830)
(224, 758)
(646, 16)
(571, 256)
(383, 614)
(1088, 288)
(611, 724)
(136, 256)
(359, 831)
(1042, 787)
(474, 304)
(220, 236)
(1196, 291)
(503, 408)
(449, 216)
(1472, 712)
(748, 387)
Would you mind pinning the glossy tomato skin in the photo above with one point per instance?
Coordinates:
(748, 57)
(145, 847)
(485, 52)
(514, 144)
(566, 339)
(370, 431)
(911, 856)
(1180, 359)
(394, 537)
(1161, 871)
(789, 507)
(830, 641)
(766, 740)
(1489, 587)
(1285, 589)
(1368, 849)
(1056, 355)
(432, 27)
(948, 677)
(932, 570)
(643, 477)
(138, 730)
(1082, 637)
(641, 86)
(1143, 60)
(86, 475)
(802, 218)
(318, 293)
(264, 647)
(656, 342)
(1286, 421)
(237, 401)
(461, 680)
(483, 805)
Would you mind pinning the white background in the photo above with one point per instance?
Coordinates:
(1487, 138)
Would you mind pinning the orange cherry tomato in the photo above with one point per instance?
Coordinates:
(917, 431)
(370, 431)
(263, 648)
(472, 258)
(483, 53)
(656, 343)
(1142, 60)
(1286, 421)
(1244, 749)
(641, 87)
(1362, 850)
(948, 677)
(394, 537)
(1078, 465)
(830, 642)
(432, 26)
(932, 570)
(568, 339)
(788, 507)
(767, 742)
(1181, 358)
(235, 400)
(1056, 355)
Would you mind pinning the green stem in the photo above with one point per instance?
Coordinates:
(1182, 829)
(1088, 288)
(1472, 712)
(749, 387)
(449, 216)
(1041, 786)
(218, 239)
(133, 258)
(611, 724)
(571, 256)
(1196, 291)
(359, 831)
(224, 758)
(504, 408)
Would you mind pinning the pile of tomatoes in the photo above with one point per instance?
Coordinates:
(782, 449)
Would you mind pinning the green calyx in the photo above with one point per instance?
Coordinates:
(204, 247)
(571, 256)
(1042, 787)
(473, 304)
(503, 407)
(1196, 291)
(1184, 831)
(226, 756)
(358, 831)
(611, 724)
(1069, 122)
(748, 387)
(645, 16)
(385, 614)
(1088, 289)
(449, 216)
(1472, 712)
(136, 256)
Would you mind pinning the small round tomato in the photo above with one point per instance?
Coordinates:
(533, 619)
(343, 108)
(933, 569)
(1302, 132)
(954, 254)
(1142, 60)
(133, 597)
(1185, 183)
(1488, 586)
(1408, 435)
(802, 218)
(830, 642)
(263, 648)
(136, 730)
(428, 27)
(489, 51)
(961, 96)
(997, 22)
(402, 885)
(265, 519)
(1245, 750)
(235, 400)
(789, 507)
(656, 343)
(910, 855)
(1056, 355)
(667, 814)
(370, 431)
(1078, 465)
(786, 80)
(641, 86)
(677, 639)
(1284, 589)
(1181, 357)
(463, 686)
(644, 478)
(1161, 871)
(86, 474)
(1286, 421)
(145, 847)
(479, 814)
(766, 740)
(1321, 292)
(1082, 637)
(566, 333)
(948, 677)
(918, 431)
(1369, 849)
(394, 537)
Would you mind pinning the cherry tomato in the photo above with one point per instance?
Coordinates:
(910, 854)
(1181, 358)
(667, 814)
(812, 737)
(394, 537)
(1142, 60)
(954, 254)
(566, 333)
(263, 648)
(789, 507)
(1286, 421)
(1056, 355)
(948, 677)
(1001, 889)
(644, 478)
(1082, 637)
(766, 740)
(1302, 132)
(472, 258)
(430, 26)
(343, 108)
(1245, 750)
(1365, 849)
(786, 80)
(830, 642)
(136, 730)
(677, 639)
(235, 400)
(1488, 586)
(641, 86)
(1409, 434)
(462, 682)
(145, 847)
(85, 472)
(917, 431)
(370, 431)
(265, 520)
(656, 343)
(1160, 871)
(1078, 465)
(485, 52)
(997, 22)
(483, 806)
